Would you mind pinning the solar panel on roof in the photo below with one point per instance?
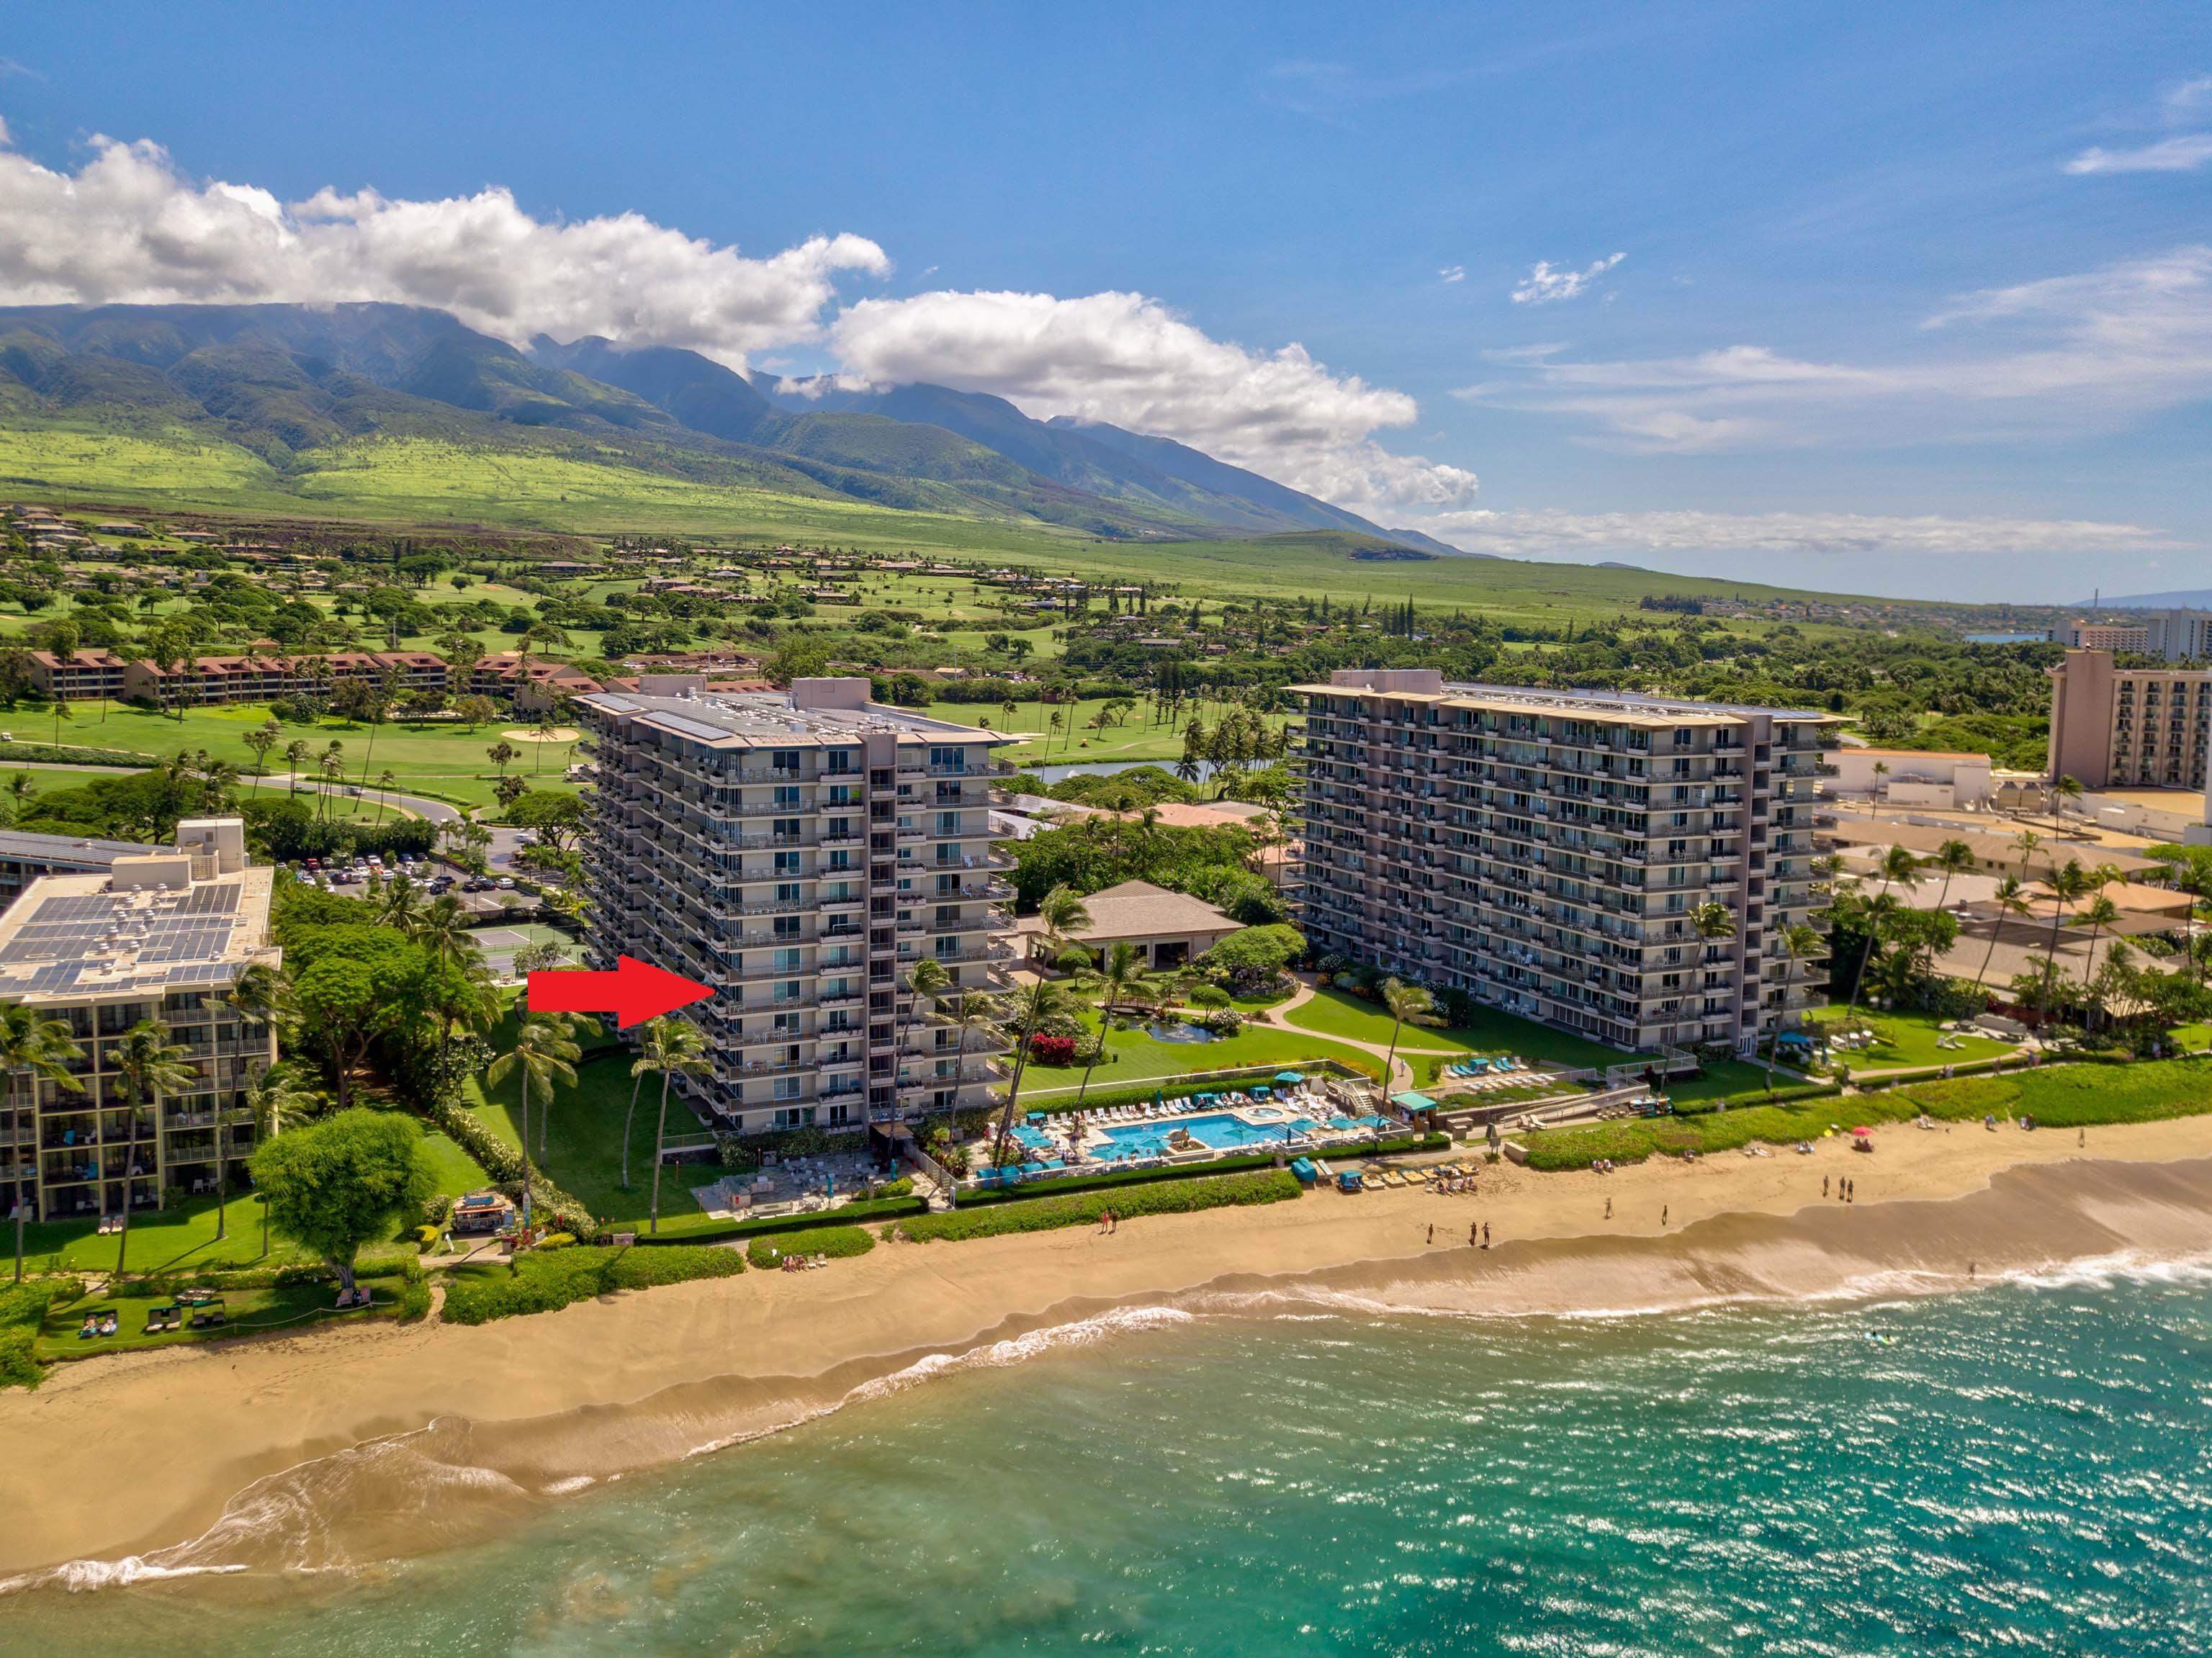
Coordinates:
(49, 980)
(698, 728)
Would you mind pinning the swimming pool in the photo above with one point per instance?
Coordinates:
(1218, 1132)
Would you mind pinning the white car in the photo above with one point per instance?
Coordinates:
(507, 883)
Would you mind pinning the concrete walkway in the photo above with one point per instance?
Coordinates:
(437, 811)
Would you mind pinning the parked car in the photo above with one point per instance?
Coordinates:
(507, 883)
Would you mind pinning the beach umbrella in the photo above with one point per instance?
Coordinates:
(1863, 1134)
(1290, 1079)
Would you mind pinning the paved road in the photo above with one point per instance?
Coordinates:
(436, 810)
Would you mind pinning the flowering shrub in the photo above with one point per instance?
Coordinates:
(1052, 1050)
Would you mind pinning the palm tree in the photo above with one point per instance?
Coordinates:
(150, 1065)
(2066, 792)
(1899, 865)
(1874, 914)
(1954, 858)
(442, 927)
(261, 739)
(1028, 1011)
(1881, 771)
(2011, 899)
(2069, 885)
(2100, 914)
(1062, 915)
(1125, 968)
(2028, 840)
(1408, 1005)
(40, 1043)
(403, 906)
(972, 1010)
(543, 1056)
(1799, 944)
(678, 1047)
(270, 1095)
(924, 976)
(502, 754)
(257, 995)
(295, 756)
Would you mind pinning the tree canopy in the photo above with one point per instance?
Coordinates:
(349, 1180)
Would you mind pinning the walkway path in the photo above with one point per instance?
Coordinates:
(1402, 1074)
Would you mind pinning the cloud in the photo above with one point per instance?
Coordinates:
(130, 228)
(1128, 358)
(2050, 358)
(1544, 286)
(1552, 534)
(2184, 153)
(2186, 99)
(1453, 273)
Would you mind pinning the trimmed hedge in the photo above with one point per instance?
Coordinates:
(880, 1208)
(1028, 1191)
(838, 1243)
(541, 1281)
(1083, 1209)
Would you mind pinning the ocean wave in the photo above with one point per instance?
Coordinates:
(1021, 1348)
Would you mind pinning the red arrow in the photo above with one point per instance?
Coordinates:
(633, 992)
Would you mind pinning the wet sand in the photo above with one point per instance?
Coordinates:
(250, 1447)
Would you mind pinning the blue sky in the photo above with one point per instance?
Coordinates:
(1914, 300)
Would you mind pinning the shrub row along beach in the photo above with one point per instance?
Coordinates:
(1083, 1209)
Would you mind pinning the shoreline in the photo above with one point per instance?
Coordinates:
(189, 1455)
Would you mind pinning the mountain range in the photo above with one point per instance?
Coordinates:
(290, 383)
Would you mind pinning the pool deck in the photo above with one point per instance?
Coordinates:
(1134, 1136)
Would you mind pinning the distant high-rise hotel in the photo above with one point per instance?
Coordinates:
(2175, 636)
(800, 851)
(2113, 727)
(1547, 850)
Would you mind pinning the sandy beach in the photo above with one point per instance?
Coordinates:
(252, 1445)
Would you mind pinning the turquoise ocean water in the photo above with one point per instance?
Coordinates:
(2025, 1468)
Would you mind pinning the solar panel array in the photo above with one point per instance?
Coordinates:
(67, 933)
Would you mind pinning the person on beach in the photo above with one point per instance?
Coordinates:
(1662, 1214)
(1473, 1230)
(1824, 1185)
(1609, 1208)
(1485, 1234)
(1432, 1232)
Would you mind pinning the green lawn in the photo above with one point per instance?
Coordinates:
(1906, 1039)
(183, 1237)
(1139, 1058)
(1336, 1014)
(585, 1145)
(2056, 1097)
(245, 1312)
(448, 761)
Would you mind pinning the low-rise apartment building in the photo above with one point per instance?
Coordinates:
(25, 858)
(2130, 728)
(1548, 852)
(80, 676)
(162, 935)
(800, 851)
(202, 681)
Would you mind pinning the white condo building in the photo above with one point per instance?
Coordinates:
(1547, 850)
(800, 851)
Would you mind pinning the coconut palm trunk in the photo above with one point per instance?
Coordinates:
(629, 1121)
(659, 1139)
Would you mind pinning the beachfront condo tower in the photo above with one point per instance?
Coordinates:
(156, 935)
(800, 852)
(1553, 853)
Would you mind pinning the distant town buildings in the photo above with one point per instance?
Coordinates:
(2176, 636)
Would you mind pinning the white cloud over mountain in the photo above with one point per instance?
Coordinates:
(129, 227)
(1129, 359)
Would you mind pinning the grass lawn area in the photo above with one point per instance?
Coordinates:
(182, 1238)
(1906, 1039)
(1333, 1013)
(2056, 1097)
(1138, 1058)
(447, 760)
(2071, 1095)
(1136, 738)
(2194, 1038)
(584, 1152)
(245, 1312)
